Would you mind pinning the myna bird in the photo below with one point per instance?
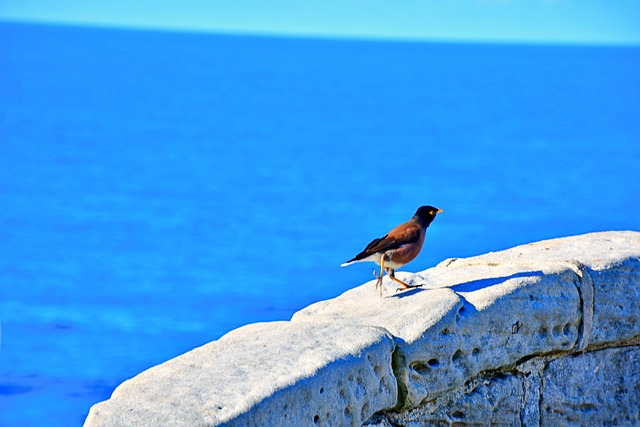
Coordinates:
(398, 247)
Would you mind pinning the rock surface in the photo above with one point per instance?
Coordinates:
(485, 317)
(592, 388)
(265, 374)
(540, 334)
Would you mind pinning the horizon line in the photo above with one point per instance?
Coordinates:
(319, 35)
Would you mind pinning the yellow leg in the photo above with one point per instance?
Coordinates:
(404, 285)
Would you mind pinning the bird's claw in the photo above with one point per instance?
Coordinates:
(408, 287)
(378, 281)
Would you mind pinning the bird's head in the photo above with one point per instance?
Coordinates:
(427, 213)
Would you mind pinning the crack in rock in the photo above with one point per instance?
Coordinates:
(586, 291)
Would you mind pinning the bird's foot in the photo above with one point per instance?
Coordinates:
(404, 288)
(378, 281)
(403, 284)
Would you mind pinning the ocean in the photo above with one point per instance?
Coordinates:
(159, 189)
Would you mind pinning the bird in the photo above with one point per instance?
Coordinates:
(398, 247)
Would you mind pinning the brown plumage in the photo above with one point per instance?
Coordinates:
(398, 247)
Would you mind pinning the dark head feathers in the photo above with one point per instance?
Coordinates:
(426, 214)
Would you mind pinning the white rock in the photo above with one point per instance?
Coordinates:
(496, 401)
(613, 265)
(586, 389)
(263, 374)
(487, 312)
(464, 321)
(593, 388)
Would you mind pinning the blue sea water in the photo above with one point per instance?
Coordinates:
(160, 189)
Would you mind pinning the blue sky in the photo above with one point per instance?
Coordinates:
(565, 21)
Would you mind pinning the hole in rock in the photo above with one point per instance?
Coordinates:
(364, 412)
(420, 368)
(433, 362)
(475, 351)
(456, 356)
(566, 329)
(588, 407)
(316, 419)
(458, 414)
(321, 390)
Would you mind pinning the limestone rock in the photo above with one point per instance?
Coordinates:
(479, 318)
(593, 388)
(263, 374)
(612, 261)
(489, 312)
(483, 401)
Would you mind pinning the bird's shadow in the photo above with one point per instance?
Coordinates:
(475, 285)
(471, 286)
(403, 294)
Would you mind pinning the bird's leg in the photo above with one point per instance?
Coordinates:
(379, 282)
(377, 276)
(404, 285)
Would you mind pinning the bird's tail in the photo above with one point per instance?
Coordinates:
(351, 261)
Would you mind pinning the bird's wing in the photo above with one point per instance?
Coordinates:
(399, 236)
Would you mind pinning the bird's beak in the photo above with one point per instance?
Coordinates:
(439, 210)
